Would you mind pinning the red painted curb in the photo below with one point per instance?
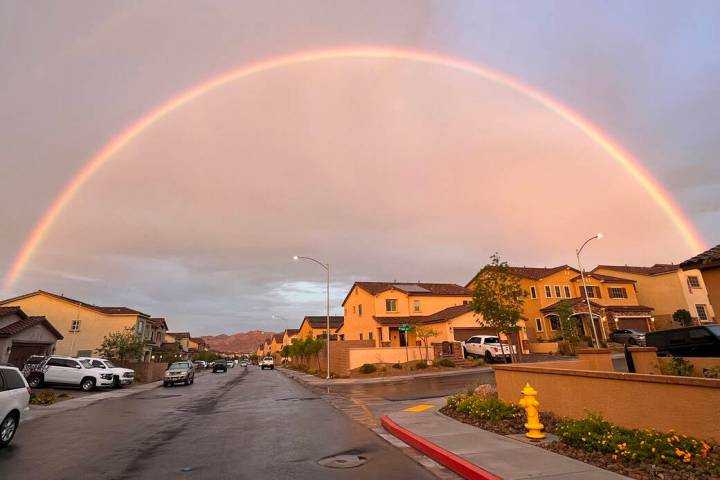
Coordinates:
(455, 463)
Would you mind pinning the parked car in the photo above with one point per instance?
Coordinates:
(696, 341)
(243, 363)
(628, 336)
(121, 376)
(487, 347)
(267, 362)
(220, 365)
(230, 363)
(179, 372)
(200, 364)
(68, 371)
(14, 401)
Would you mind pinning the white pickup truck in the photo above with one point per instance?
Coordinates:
(487, 347)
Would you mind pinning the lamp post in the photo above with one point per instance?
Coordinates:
(326, 266)
(587, 297)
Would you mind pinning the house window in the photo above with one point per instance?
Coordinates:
(391, 304)
(370, 336)
(702, 313)
(548, 291)
(557, 291)
(554, 323)
(617, 292)
(466, 302)
(75, 327)
(360, 310)
(361, 337)
(533, 292)
(416, 306)
(568, 293)
(140, 326)
(693, 282)
(590, 292)
(538, 325)
(353, 309)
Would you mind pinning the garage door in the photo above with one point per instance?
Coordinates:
(633, 323)
(21, 351)
(462, 334)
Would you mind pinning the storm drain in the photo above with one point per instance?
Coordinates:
(343, 461)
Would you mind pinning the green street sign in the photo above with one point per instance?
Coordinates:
(406, 328)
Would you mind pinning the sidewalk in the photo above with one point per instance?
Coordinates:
(42, 411)
(463, 448)
(315, 380)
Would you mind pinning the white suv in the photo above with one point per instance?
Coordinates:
(121, 376)
(488, 347)
(14, 400)
(267, 362)
(56, 370)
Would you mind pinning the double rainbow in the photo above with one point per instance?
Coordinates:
(632, 165)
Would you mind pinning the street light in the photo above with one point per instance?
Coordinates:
(587, 297)
(326, 266)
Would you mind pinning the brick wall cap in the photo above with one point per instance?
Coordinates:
(593, 351)
(642, 349)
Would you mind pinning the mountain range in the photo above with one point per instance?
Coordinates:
(244, 342)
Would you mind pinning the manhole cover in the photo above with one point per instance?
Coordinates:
(343, 461)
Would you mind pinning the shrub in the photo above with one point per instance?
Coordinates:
(445, 362)
(594, 434)
(484, 408)
(479, 362)
(367, 368)
(712, 372)
(564, 348)
(43, 398)
(421, 365)
(677, 366)
(397, 366)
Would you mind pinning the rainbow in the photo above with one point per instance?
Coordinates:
(632, 165)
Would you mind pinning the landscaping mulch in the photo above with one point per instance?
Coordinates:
(638, 471)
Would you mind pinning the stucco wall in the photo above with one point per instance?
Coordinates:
(711, 278)
(686, 405)
(93, 325)
(359, 356)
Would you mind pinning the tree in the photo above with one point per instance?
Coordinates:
(424, 333)
(683, 317)
(122, 345)
(253, 357)
(285, 351)
(313, 347)
(498, 297)
(568, 325)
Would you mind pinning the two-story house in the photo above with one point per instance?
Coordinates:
(708, 266)
(289, 335)
(82, 325)
(667, 288)
(613, 301)
(377, 310)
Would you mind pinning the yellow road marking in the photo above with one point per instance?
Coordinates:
(418, 408)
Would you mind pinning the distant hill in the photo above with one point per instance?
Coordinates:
(238, 342)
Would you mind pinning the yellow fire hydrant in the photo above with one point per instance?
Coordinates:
(530, 403)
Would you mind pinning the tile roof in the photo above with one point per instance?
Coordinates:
(580, 301)
(603, 278)
(706, 259)
(292, 331)
(412, 288)
(105, 310)
(533, 273)
(158, 322)
(179, 334)
(278, 337)
(657, 269)
(575, 301)
(437, 317)
(321, 321)
(12, 311)
(28, 322)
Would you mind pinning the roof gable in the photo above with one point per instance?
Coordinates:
(28, 322)
(411, 288)
(708, 258)
(657, 269)
(105, 310)
(533, 273)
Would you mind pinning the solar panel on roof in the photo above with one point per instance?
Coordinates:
(411, 288)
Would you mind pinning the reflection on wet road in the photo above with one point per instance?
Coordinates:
(417, 388)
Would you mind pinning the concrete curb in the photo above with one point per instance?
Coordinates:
(453, 462)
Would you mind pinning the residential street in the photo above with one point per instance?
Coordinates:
(246, 423)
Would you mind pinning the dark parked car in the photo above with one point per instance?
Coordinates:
(628, 336)
(220, 365)
(697, 341)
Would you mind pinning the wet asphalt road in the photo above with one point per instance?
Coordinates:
(417, 388)
(247, 423)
